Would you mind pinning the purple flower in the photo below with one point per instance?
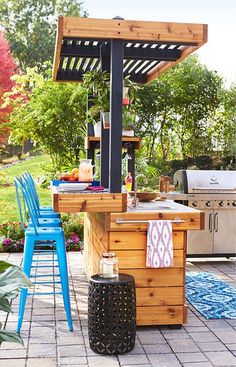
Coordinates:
(19, 244)
(7, 241)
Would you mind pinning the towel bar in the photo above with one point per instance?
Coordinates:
(121, 221)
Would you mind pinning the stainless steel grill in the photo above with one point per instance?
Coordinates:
(213, 192)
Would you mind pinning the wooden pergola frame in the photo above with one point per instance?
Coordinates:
(187, 36)
(143, 50)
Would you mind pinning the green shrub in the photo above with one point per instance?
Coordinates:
(74, 231)
(13, 234)
(12, 230)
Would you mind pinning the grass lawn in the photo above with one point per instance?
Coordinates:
(8, 205)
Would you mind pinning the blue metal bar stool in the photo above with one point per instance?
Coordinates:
(42, 221)
(36, 239)
(43, 211)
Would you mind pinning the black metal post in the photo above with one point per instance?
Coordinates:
(104, 156)
(116, 90)
(104, 142)
(90, 129)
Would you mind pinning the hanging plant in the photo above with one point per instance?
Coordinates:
(97, 84)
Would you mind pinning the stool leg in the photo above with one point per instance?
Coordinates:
(61, 255)
(27, 261)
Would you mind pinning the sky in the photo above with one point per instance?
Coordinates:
(218, 54)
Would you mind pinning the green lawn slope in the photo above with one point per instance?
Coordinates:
(8, 205)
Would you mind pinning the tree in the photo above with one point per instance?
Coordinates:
(7, 70)
(155, 112)
(197, 95)
(52, 114)
(30, 27)
(175, 110)
(224, 128)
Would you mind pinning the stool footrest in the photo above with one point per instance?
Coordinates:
(44, 275)
(42, 293)
(44, 252)
(42, 266)
(44, 261)
(57, 282)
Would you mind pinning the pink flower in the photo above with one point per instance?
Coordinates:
(75, 238)
(7, 241)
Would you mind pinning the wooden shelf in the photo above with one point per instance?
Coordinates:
(94, 141)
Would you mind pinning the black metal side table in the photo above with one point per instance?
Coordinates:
(112, 314)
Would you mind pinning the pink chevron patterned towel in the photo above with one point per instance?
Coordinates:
(159, 244)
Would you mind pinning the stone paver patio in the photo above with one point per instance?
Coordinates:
(48, 343)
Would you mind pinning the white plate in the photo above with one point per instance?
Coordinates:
(73, 186)
(165, 207)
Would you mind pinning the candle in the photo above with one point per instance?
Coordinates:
(108, 265)
(108, 269)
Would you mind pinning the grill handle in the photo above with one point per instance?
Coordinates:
(210, 222)
(216, 222)
(214, 188)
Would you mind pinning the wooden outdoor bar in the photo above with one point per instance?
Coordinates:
(160, 293)
(142, 51)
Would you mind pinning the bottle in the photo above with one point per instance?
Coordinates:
(167, 183)
(162, 183)
(86, 170)
(128, 182)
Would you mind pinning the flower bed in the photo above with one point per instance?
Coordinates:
(12, 234)
(13, 237)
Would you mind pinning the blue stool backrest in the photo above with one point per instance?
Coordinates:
(19, 184)
(19, 203)
(29, 183)
(30, 192)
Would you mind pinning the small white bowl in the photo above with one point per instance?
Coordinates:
(73, 186)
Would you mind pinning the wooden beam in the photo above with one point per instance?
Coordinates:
(69, 76)
(164, 66)
(151, 54)
(93, 142)
(133, 30)
(129, 53)
(58, 47)
(80, 51)
(137, 78)
(185, 51)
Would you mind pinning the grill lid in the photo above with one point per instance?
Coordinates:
(205, 181)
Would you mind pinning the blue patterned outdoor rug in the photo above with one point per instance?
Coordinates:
(211, 296)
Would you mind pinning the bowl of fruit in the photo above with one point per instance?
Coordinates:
(70, 176)
(145, 195)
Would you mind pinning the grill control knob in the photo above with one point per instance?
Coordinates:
(221, 203)
(194, 204)
(234, 203)
(208, 203)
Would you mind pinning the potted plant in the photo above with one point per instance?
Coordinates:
(97, 84)
(128, 121)
(12, 279)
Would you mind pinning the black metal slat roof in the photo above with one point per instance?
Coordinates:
(79, 56)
